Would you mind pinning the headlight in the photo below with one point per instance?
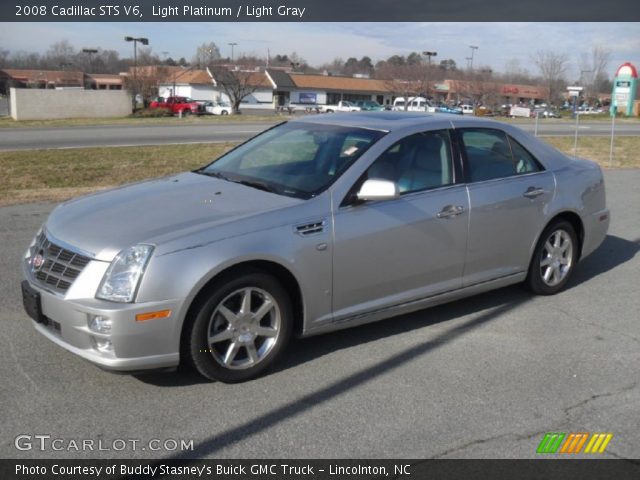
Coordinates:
(123, 276)
(31, 249)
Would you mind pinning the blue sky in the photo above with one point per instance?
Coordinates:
(321, 42)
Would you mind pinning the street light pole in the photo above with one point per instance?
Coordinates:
(90, 51)
(143, 41)
(429, 54)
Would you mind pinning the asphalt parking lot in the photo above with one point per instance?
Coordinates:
(485, 377)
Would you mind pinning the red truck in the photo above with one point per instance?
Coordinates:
(178, 105)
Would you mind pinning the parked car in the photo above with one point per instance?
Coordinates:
(314, 225)
(415, 104)
(545, 113)
(217, 108)
(342, 106)
(444, 108)
(178, 105)
(369, 105)
(467, 109)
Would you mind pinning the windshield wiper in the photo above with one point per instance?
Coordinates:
(249, 183)
(256, 184)
(211, 174)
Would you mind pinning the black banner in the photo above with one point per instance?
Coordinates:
(547, 469)
(319, 11)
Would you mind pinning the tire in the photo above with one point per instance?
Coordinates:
(554, 259)
(329, 111)
(244, 345)
(224, 112)
(186, 112)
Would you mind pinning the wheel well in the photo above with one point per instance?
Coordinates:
(280, 273)
(576, 223)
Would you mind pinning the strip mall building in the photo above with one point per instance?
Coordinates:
(274, 88)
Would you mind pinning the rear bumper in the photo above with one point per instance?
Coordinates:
(595, 230)
(135, 345)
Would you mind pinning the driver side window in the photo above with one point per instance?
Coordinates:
(418, 162)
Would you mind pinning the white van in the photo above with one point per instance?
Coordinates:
(467, 109)
(416, 104)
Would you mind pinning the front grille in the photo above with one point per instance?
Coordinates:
(60, 266)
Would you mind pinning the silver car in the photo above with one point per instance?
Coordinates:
(314, 225)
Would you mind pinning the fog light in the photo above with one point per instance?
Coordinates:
(104, 344)
(100, 324)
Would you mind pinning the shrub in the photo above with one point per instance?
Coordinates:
(151, 113)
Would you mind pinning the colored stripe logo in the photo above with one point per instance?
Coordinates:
(556, 442)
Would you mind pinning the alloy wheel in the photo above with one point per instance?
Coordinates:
(244, 328)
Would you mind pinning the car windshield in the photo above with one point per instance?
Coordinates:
(294, 159)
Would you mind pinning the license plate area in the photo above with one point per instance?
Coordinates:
(32, 303)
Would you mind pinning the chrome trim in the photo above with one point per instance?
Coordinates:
(67, 246)
(62, 264)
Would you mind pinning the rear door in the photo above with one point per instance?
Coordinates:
(508, 193)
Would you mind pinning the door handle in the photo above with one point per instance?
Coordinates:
(450, 211)
(533, 192)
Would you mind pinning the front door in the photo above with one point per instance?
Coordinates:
(390, 252)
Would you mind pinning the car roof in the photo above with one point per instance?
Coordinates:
(387, 121)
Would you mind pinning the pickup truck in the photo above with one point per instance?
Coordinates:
(178, 105)
(342, 106)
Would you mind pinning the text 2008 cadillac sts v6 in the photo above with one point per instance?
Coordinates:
(313, 225)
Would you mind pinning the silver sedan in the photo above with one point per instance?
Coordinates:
(314, 225)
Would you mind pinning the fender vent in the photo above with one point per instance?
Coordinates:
(311, 228)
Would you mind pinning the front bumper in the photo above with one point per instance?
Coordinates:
(135, 345)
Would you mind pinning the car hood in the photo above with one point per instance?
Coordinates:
(156, 212)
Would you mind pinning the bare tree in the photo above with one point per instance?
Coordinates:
(206, 54)
(594, 71)
(4, 57)
(237, 85)
(553, 68)
(405, 80)
(60, 55)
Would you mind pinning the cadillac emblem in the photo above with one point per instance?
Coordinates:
(38, 261)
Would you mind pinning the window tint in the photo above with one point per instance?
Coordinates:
(525, 162)
(417, 162)
(488, 154)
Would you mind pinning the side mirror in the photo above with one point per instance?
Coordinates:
(378, 189)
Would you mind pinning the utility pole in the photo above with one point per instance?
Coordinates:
(232, 44)
(473, 49)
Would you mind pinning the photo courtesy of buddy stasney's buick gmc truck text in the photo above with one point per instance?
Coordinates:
(313, 225)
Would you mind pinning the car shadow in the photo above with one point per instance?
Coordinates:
(614, 251)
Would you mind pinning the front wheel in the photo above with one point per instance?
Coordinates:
(240, 329)
(554, 259)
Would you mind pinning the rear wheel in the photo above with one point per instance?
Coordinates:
(241, 329)
(224, 112)
(554, 259)
(186, 112)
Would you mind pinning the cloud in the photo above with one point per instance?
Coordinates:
(322, 42)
